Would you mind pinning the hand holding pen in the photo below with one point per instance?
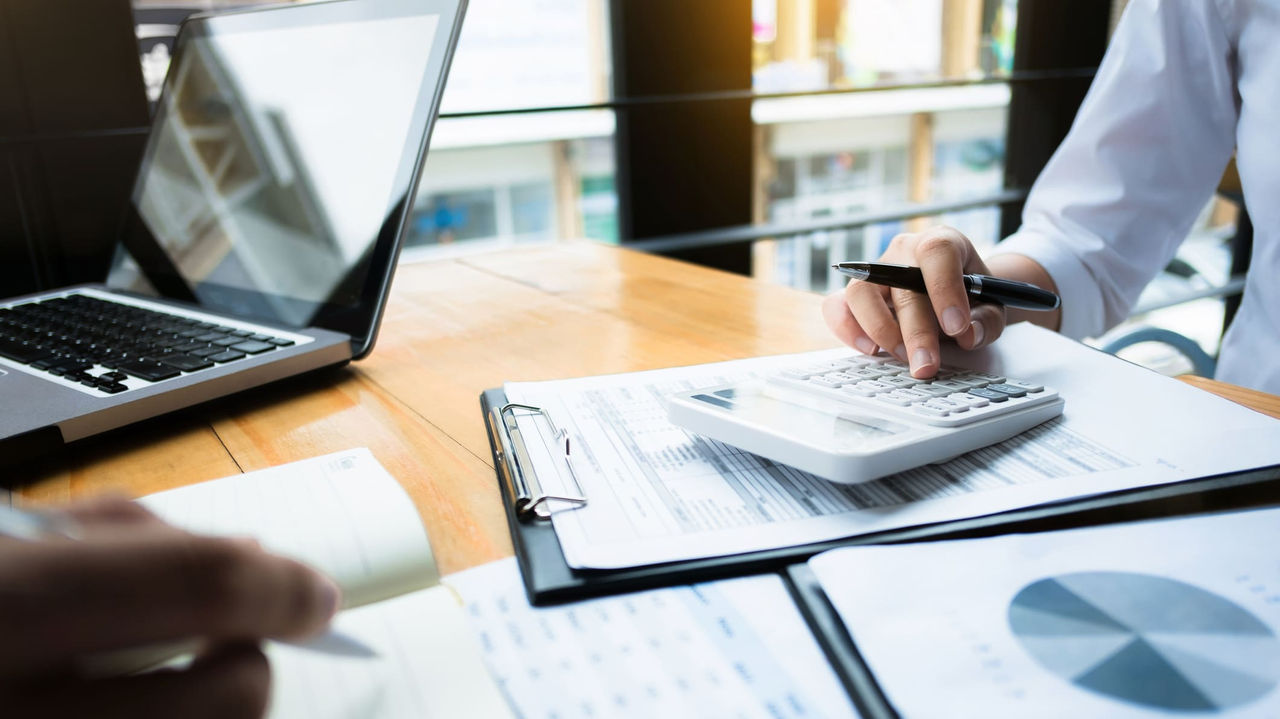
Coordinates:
(934, 282)
(108, 575)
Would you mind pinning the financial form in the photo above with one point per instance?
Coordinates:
(731, 648)
(1173, 618)
(659, 494)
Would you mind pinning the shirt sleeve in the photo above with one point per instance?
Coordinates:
(1147, 148)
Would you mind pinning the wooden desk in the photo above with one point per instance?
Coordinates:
(453, 329)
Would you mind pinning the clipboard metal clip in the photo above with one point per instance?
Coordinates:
(530, 500)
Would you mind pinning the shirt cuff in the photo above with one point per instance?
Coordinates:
(1082, 311)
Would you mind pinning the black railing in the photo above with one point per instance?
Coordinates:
(750, 233)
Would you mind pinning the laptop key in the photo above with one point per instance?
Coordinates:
(227, 356)
(186, 363)
(190, 347)
(150, 371)
(207, 351)
(252, 347)
(112, 387)
(280, 341)
(22, 351)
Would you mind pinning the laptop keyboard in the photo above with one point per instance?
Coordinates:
(100, 344)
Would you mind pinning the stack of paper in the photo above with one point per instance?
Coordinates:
(659, 494)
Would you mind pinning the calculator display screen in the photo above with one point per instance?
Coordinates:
(811, 423)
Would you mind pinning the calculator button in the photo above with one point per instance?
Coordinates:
(1008, 389)
(836, 364)
(833, 380)
(970, 381)
(948, 404)
(930, 410)
(866, 388)
(992, 378)
(934, 389)
(867, 373)
(915, 394)
(1030, 387)
(898, 380)
(971, 400)
(988, 394)
(949, 385)
(895, 398)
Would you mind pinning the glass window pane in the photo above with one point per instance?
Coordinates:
(857, 43)
(542, 177)
(833, 155)
(530, 53)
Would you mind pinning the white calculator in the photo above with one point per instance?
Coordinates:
(858, 418)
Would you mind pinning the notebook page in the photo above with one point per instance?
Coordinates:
(413, 656)
(340, 513)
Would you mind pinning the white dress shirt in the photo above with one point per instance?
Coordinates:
(1183, 83)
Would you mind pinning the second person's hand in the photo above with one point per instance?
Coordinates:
(906, 323)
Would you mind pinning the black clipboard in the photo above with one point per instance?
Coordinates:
(548, 578)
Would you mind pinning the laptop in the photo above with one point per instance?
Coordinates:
(265, 223)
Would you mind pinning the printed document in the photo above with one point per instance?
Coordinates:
(732, 648)
(660, 494)
(1174, 618)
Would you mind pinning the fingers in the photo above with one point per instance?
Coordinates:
(153, 584)
(841, 323)
(231, 683)
(868, 305)
(908, 323)
(109, 509)
(942, 254)
(919, 332)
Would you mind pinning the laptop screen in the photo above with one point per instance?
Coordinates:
(282, 160)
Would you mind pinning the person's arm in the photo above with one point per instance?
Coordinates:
(1147, 148)
(1108, 212)
(131, 580)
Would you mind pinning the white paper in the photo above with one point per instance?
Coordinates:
(341, 513)
(1171, 618)
(411, 656)
(733, 648)
(659, 494)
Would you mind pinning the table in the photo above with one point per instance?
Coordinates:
(454, 328)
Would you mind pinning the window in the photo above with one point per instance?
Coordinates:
(916, 140)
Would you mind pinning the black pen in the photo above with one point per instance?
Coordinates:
(983, 288)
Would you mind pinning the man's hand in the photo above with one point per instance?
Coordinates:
(129, 581)
(867, 316)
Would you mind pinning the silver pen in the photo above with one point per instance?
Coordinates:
(35, 526)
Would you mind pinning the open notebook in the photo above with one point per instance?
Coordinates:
(403, 645)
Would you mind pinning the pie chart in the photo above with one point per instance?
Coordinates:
(1148, 640)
